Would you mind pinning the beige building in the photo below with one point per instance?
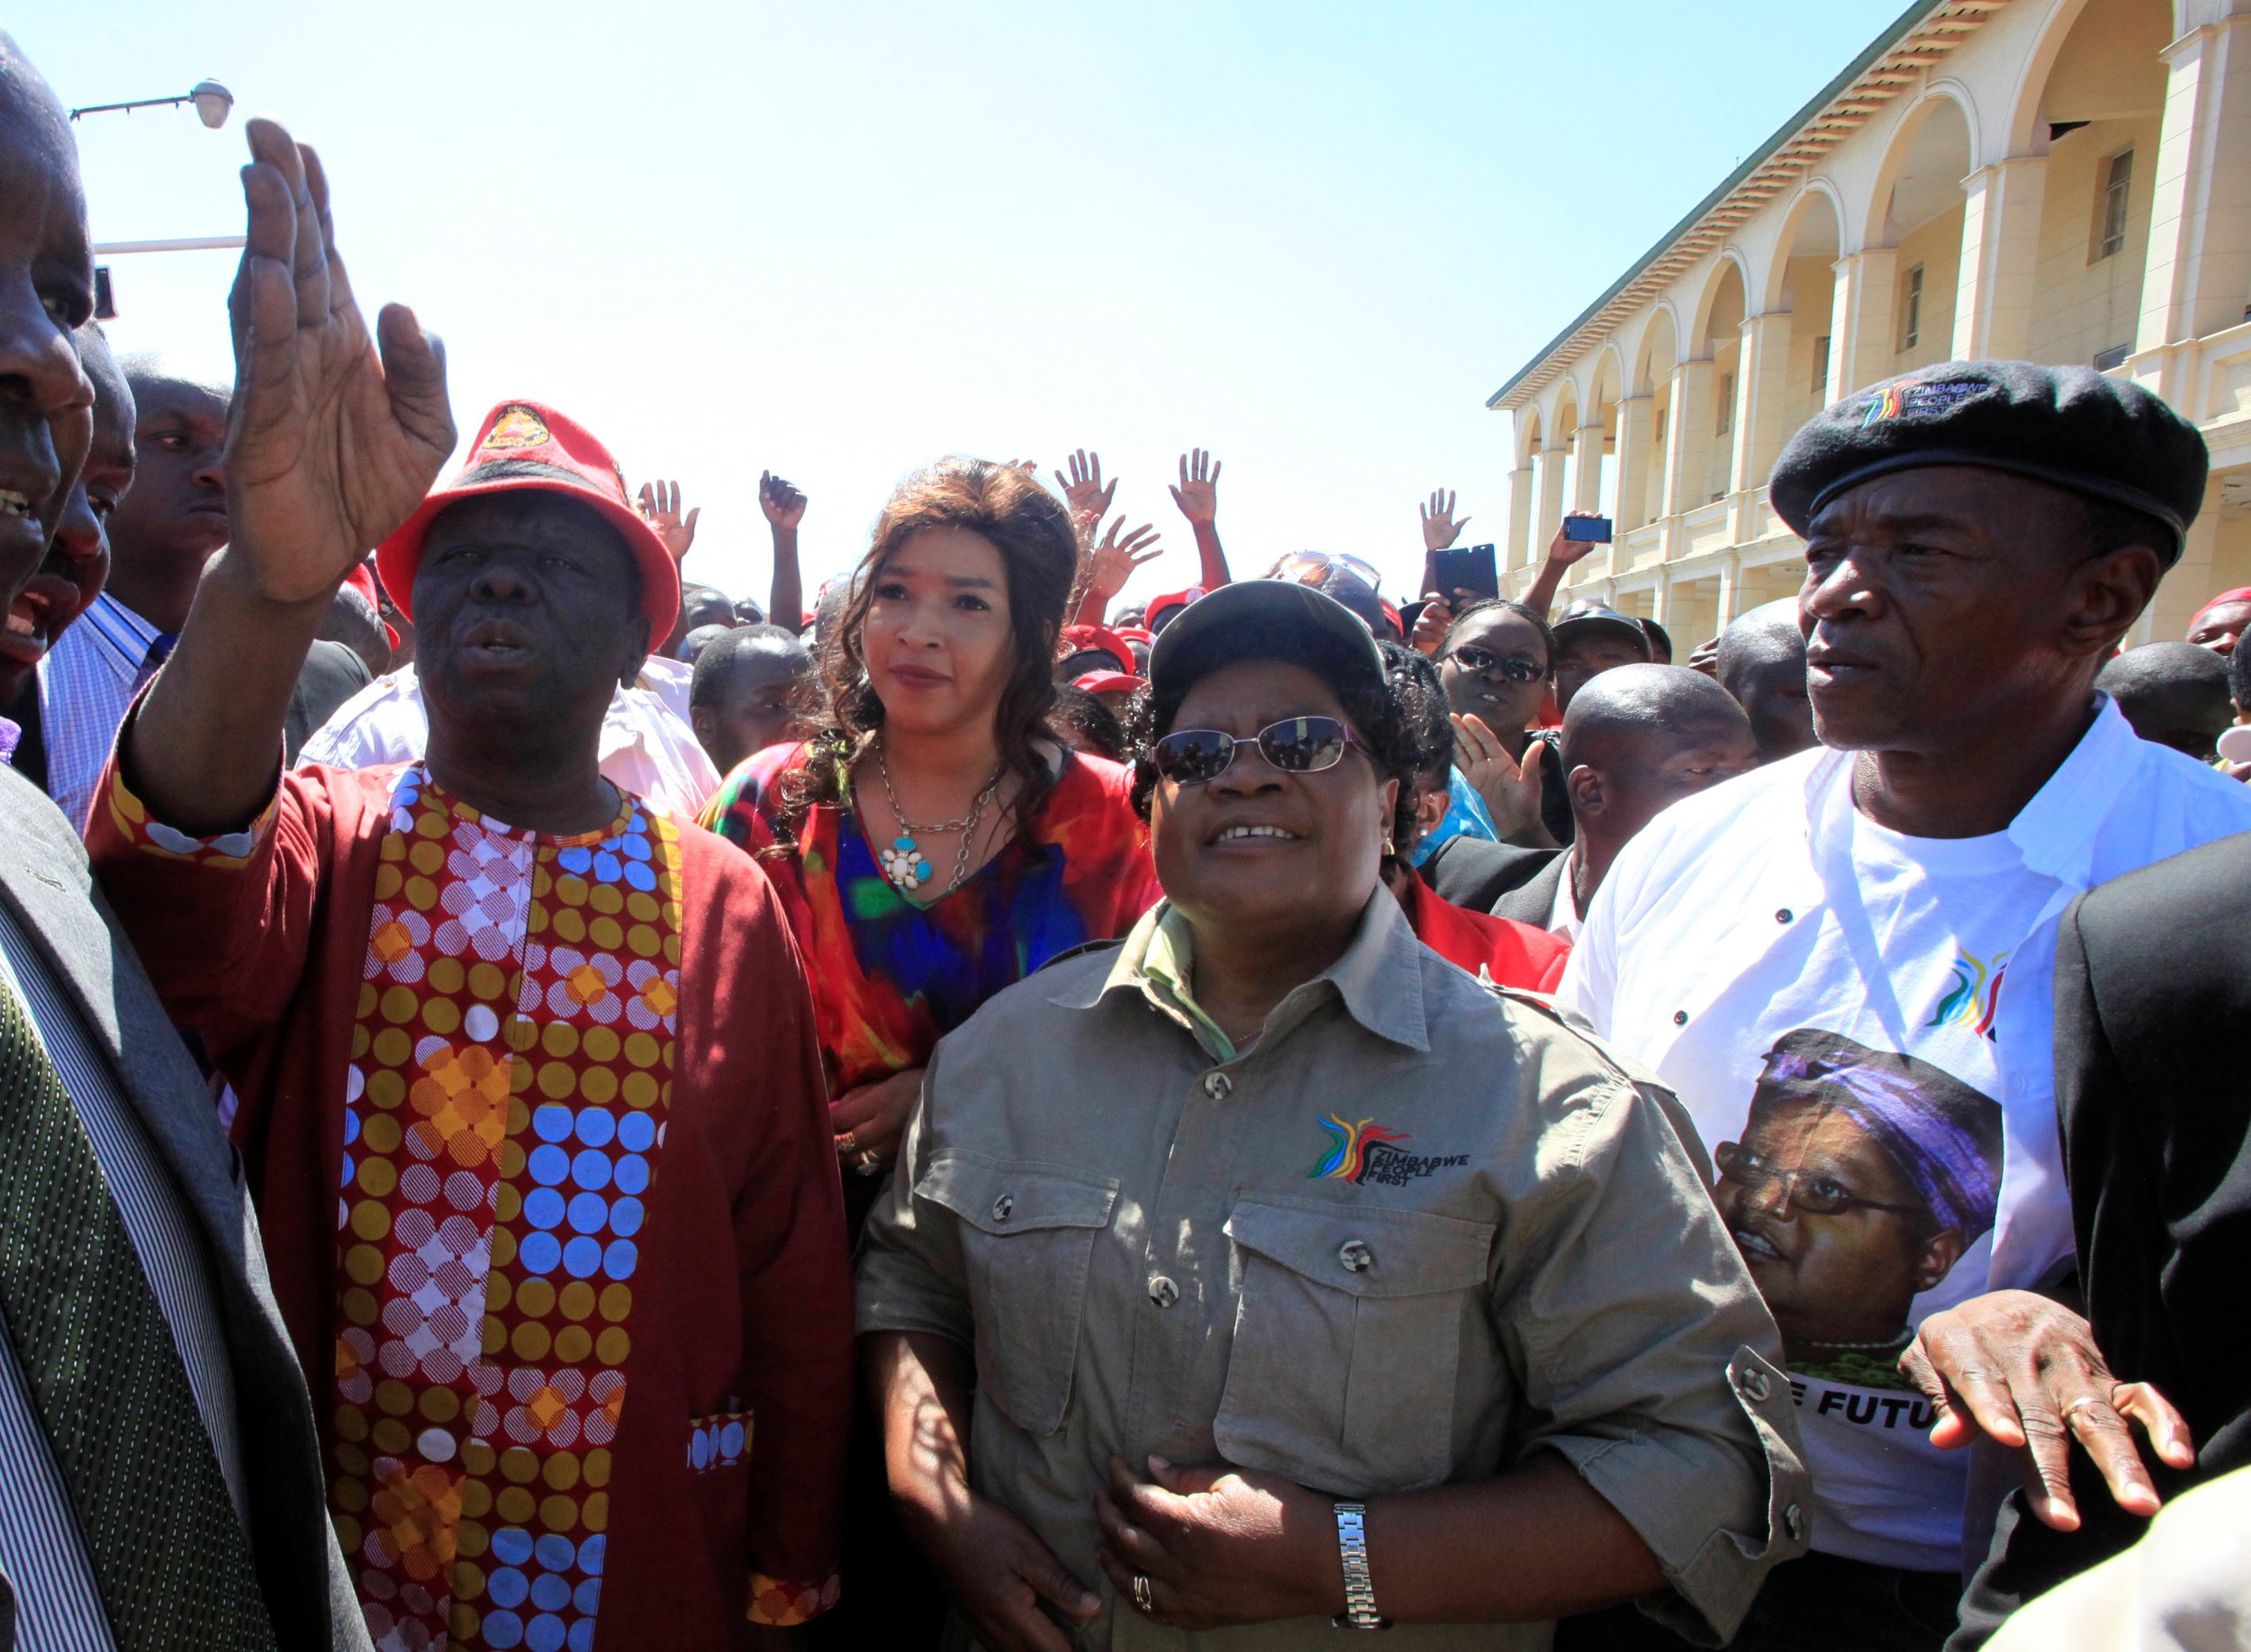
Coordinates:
(2062, 181)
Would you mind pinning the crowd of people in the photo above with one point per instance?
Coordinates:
(544, 1105)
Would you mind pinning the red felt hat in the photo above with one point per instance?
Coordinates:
(1135, 634)
(1108, 682)
(547, 450)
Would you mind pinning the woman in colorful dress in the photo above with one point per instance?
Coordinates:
(932, 845)
(935, 843)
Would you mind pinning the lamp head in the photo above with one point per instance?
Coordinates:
(213, 101)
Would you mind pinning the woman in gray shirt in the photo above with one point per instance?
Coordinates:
(1270, 1269)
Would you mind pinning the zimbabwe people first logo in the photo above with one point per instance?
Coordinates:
(1366, 1152)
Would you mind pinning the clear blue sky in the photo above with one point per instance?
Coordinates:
(838, 240)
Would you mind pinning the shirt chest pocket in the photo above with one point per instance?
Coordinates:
(1348, 1332)
(1027, 1238)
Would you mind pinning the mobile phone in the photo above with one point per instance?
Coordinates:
(1471, 568)
(1587, 529)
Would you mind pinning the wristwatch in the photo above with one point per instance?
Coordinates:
(1360, 1590)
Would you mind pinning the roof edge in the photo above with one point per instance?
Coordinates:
(1882, 43)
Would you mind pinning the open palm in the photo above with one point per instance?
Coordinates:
(333, 438)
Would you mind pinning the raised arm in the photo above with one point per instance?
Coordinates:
(332, 440)
(1198, 496)
(1563, 556)
(1110, 563)
(784, 507)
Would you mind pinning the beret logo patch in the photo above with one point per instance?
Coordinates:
(519, 427)
(1920, 399)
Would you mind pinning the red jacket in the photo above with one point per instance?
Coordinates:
(744, 1289)
(1517, 954)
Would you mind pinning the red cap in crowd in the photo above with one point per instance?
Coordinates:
(1108, 682)
(1160, 606)
(541, 448)
(1095, 638)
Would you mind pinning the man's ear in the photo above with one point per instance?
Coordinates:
(2105, 597)
(1585, 786)
(705, 722)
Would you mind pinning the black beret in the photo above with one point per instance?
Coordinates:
(2107, 438)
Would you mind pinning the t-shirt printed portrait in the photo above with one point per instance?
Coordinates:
(1851, 1093)
(1862, 1177)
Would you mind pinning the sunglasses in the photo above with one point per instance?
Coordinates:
(1473, 658)
(1295, 745)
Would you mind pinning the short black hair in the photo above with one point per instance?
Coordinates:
(2240, 678)
(2167, 679)
(722, 654)
(1075, 709)
(1385, 719)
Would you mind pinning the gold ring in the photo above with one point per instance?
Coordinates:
(848, 1144)
(1143, 1599)
(2080, 1405)
(866, 1162)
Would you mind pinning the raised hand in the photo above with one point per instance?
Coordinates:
(781, 501)
(333, 439)
(1113, 560)
(1440, 527)
(1562, 551)
(1430, 625)
(1198, 496)
(1509, 787)
(660, 502)
(1082, 489)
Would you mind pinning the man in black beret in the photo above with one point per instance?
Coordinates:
(1979, 537)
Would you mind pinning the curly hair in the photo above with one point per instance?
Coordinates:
(1045, 563)
(1387, 722)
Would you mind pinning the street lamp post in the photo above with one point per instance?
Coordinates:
(212, 103)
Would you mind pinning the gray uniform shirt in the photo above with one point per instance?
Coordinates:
(1412, 1234)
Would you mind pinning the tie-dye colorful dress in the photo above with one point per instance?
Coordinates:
(891, 977)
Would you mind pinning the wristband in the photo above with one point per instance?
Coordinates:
(1360, 1590)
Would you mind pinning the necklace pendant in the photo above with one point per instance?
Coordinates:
(904, 865)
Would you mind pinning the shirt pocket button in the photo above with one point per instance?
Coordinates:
(1163, 1292)
(1356, 1256)
(1753, 1386)
(1004, 1207)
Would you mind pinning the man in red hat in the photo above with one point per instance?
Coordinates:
(533, 1111)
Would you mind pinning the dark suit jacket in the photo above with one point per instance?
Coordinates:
(1473, 874)
(333, 673)
(43, 877)
(2153, 1005)
(1531, 901)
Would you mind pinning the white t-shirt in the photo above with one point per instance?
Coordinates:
(1862, 1023)
(647, 746)
(1563, 913)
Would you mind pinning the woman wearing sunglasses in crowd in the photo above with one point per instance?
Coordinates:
(1497, 664)
(1503, 951)
(1116, 1344)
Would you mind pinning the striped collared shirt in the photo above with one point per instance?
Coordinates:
(85, 684)
(57, 1608)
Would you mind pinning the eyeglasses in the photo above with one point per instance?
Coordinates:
(1480, 660)
(1815, 1195)
(1316, 568)
(1295, 745)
